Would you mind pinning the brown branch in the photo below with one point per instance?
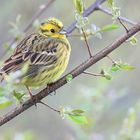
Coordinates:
(77, 71)
(61, 82)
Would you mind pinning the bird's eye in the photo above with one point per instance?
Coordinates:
(52, 30)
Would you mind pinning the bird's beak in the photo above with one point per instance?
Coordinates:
(63, 32)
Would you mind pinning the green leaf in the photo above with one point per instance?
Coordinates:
(133, 40)
(78, 119)
(69, 77)
(74, 115)
(126, 66)
(105, 74)
(79, 6)
(109, 28)
(108, 76)
(110, 2)
(77, 111)
(115, 67)
(18, 96)
(116, 12)
(5, 104)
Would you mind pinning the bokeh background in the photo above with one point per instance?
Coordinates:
(111, 106)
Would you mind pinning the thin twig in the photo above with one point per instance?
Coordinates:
(80, 35)
(111, 59)
(74, 35)
(58, 111)
(122, 24)
(93, 74)
(121, 18)
(86, 41)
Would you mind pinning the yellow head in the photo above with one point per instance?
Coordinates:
(52, 27)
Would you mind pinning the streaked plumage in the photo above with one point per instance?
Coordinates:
(46, 53)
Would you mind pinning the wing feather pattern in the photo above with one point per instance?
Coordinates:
(35, 49)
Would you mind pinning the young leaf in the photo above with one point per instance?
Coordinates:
(74, 115)
(81, 21)
(79, 6)
(78, 119)
(107, 76)
(116, 12)
(69, 77)
(115, 67)
(6, 103)
(133, 40)
(18, 96)
(77, 111)
(110, 2)
(125, 66)
(109, 28)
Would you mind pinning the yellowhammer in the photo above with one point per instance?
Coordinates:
(46, 52)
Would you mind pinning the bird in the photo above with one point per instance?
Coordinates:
(45, 54)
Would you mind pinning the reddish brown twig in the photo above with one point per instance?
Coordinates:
(86, 41)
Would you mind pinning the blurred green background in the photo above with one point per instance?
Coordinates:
(112, 107)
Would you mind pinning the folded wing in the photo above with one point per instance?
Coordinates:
(36, 50)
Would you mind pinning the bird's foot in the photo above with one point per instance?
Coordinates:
(49, 86)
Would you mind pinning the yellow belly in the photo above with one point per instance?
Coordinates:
(49, 75)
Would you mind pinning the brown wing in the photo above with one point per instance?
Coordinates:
(35, 49)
